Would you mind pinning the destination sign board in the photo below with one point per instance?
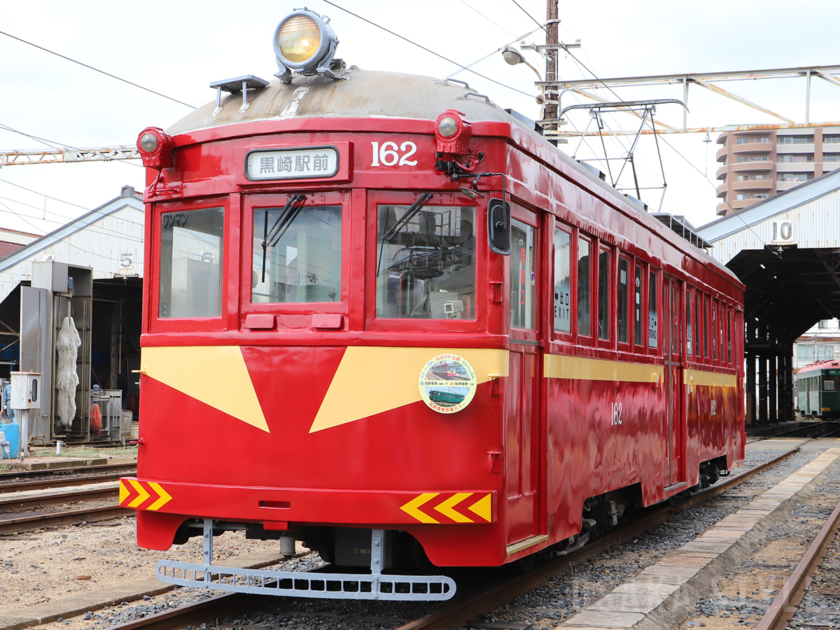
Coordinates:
(303, 163)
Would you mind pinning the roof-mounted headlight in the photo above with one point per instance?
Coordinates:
(304, 42)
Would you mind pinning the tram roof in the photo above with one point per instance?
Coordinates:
(375, 94)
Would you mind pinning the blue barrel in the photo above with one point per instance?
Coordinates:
(12, 433)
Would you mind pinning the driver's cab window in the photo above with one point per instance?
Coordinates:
(425, 261)
(191, 254)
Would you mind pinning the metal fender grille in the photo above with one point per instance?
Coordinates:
(318, 585)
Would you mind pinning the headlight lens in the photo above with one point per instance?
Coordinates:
(448, 127)
(299, 38)
(148, 142)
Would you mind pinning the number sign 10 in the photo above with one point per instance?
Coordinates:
(389, 154)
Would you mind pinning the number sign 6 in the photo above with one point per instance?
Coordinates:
(389, 154)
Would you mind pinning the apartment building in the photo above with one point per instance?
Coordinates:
(758, 164)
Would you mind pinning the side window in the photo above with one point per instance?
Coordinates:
(705, 327)
(688, 327)
(653, 321)
(523, 279)
(604, 294)
(191, 247)
(698, 324)
(583, 278)
(729, 336)
(562, 281)
(623, 295)
(713, 331)
(425, 262)
(637, 306)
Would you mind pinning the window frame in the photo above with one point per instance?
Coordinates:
(625, 346)
(581, 339)
(533, 223)
(559, 335)
(230, 264)
(640, 344)
(374, 199)
(274, 200)
(611, 299)
(657, 273)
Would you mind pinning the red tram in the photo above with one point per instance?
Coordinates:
(325, 250)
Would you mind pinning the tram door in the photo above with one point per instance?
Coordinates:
(522, 404)
(672, 351)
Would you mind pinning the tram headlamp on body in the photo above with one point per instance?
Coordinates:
(305, 43)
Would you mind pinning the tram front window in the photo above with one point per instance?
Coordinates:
(191, 263)
(296, 254)
(425, 261)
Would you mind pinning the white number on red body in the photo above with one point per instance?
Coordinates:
(616, 413)
(391, 154)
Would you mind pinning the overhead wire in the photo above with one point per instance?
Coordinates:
(664, 140)
(66, 220)
(496, 24)
(69, 203)
(89, 67)
(432, 52)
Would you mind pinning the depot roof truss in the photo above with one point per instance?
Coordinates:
(555, 90)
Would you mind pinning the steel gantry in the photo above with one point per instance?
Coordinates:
(49, 156)
(555, 90)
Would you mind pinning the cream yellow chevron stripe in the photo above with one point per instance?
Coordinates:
(124, 492)
(447, 507)
(371, 380)
(142, 495)
(214, 375)
(582, 369)
(163, 496)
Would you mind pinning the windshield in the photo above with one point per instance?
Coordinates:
(191, 263)
(302, 263)
(425, 262)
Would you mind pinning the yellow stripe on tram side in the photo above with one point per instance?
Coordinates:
(583, 369)
(702, 378)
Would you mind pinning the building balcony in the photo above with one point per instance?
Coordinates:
(782, 186)
(722, 209)
(795, 167)
(721, 154)
(751, 185)
(830, 166)
(753, 147)
(722, 190)
(794, 148)
(746, 167)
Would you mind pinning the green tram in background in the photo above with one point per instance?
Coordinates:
(818, 390)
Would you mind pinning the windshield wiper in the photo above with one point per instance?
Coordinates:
(399, 225)
(288, 214)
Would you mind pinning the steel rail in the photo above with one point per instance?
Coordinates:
(127, 467)
(784, 607)
(62, 482)
(10, 501)
(459, 612)
(31, 522)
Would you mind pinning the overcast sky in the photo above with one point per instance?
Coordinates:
(179, 48)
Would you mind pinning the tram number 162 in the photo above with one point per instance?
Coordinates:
(616, 413)
(389, 154)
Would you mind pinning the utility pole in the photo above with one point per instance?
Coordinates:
(551, 38)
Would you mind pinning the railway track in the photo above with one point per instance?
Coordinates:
(463, 609)
(21, 501)
(786, 604)
(18, 476)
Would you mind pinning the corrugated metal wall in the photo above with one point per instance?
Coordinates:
(814, 224)
(111, 246)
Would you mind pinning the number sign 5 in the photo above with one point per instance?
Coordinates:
(389, 154)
